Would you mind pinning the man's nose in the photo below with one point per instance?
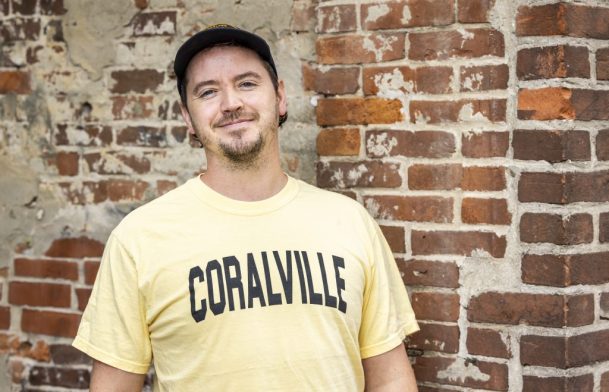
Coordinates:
(231, 100)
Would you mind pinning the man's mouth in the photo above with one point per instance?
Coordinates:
(233, 122)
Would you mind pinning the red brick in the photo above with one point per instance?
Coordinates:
(457, 371)
(164, 186)
(130, 107)
(488, 342)
(564, 188)
(562, 61)
(486, 144)
(604, 306)
(39, 294)
(543, 310)
(549, 351)
(413, 13)
(591, 187)
(146, 24)
(604, 227)
(551, 146)
(588, 348)
(451, 176)
(82, 295)
(429, 273)
(451, 44)
(52, 7)
(142, 136)
(571, 230)
(602, 145)
(303, 16)
(425, 144)
(141, 4)
(17, 82)
(117, 163)
(331, 81)
(98, 192)
(358, 174)
(136, 80)
(66, 162)
(474, 11)
(5, 317)
(485, 211)
(550, 103)
(78, 247)
(410, 208)
(40, 268)
(404, 80)
(602, 64)
(336, 18)
(19, 29)
(583, 383)
(395, 237)
(50, 323)
(169, 110)
(64, 354)
(4, 7)
(566, 270)
(465, 243)
(356, 49)
(563, 19)
(435, 112)
(59, 377)
(91, 268)
(338, 141)
(485, 77)
(435, 306)
(436, 337)
(89, 135)
(591, 104)
(347, 111)
(24, 7)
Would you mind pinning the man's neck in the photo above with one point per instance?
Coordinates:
(254, 183)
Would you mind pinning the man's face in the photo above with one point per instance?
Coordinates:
(232, 105)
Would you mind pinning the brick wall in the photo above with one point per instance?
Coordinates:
(476, 132)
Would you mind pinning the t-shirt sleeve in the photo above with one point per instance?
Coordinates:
(113, 329)
(387, 315)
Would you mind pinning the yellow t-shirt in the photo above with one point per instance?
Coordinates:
(287, 293)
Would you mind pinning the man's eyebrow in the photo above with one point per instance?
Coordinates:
(249, 74)
(211, 82)
(203, 83)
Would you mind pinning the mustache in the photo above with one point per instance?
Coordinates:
(231, 117)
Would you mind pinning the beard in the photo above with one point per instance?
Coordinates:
(241, 152)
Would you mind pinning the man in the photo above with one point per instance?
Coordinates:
(244, 278)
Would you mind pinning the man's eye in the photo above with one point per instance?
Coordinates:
(206, 93)
(247, 84)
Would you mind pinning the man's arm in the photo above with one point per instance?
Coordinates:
(389, 372)
(106, 378)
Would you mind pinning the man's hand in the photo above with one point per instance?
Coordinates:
(389, 372)
(106, 378)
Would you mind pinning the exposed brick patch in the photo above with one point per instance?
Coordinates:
(5, 317)
(563, 19)
(356, 174)
(429, 273)
(63, 354)
(17, 82)
(78, 247)
(24, 7)
(131, 108)
(485, 211)
(545, 104)
(40, 294)
(98, 192)
(66, 162)
(474, 11)
(336, 18)
(414, 13)
(427, 144)
(136, 80)
(52, 7)
(347, 111)
(485, 144)
(436, 306)
(551, 146)
(41, 268)
(50, 323)
(60, 377)
(602, 64)
(355, 49)
(343, 80)
(436, 337)
(604, 227)
(142, 136)
(395, 237)
(488, 342)
(602, 145)
(410, 208)
(452, 176)
(391, 81)
(542, 227)
(547, 351)
(20, 29)
(444, 45)
(339, 141)
(533, 309)
(484, 77)
(584, 383)
(82, 296)
(566, 270)
(89, 135)
(147, 24)
(561, 61)
(457, 371)
(465, 243)
(91, 268)
(564, 188)
(435, 112)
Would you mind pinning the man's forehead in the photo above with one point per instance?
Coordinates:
(214, 59)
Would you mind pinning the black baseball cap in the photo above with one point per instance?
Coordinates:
(218, 34)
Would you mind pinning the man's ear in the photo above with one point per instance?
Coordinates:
(187, 119)
(281, 98)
